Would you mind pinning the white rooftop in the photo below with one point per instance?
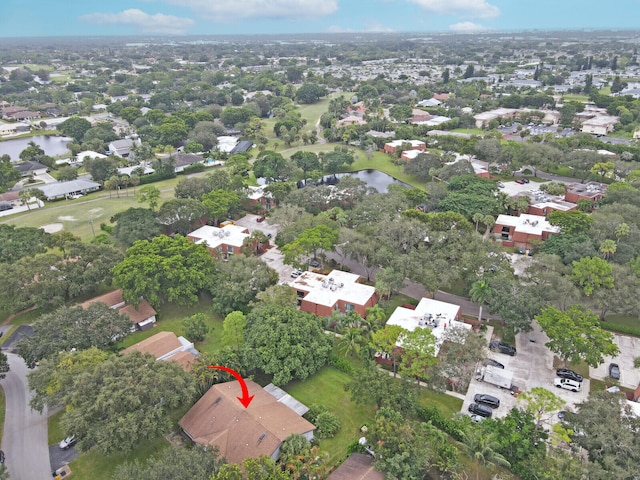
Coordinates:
(555, 204)
(91, 154)
(525, 223)
(257, 192)
(328, 289)
(213, 237)
(411, 154)
(398, 143)
(129, 170)
(226, 143)
(429, 313)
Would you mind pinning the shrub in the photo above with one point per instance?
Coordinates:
(315, 410)
(342, 364)
(451, 427)
(328, 425)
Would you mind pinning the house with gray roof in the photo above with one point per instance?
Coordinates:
(60, 190)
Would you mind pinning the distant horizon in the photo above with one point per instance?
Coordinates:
(180, 18)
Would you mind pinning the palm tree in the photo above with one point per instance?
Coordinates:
(351, 342)
(480, 290)
(482, 448)
(477, 218)
(607, 248)
(377, 315)
(25, 195)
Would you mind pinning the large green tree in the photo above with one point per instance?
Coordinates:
(164, 269)
(74, 327)
(418, 353)
(8, 175)
(304, 352)
(591, 274)
(575, 335)
(235, 283)
(135, 224)
(181, 214)
(310, 241)
(219, 203)
(123, 401)
(75, 127)
(19, 242)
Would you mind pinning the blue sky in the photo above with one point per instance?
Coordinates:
(26, 18)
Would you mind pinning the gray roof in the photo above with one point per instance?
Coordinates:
(54, 190)
(29, 166)
(242, 146)
(286, 399)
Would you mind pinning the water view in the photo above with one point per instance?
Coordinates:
(51, 145)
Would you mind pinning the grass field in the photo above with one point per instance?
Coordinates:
(622, 324)
(327, 388)
(170, 319)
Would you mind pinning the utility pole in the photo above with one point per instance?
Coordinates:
(92, 230)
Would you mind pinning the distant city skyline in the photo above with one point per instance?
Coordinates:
(45, 18)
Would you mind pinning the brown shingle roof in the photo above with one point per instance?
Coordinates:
(109, 299)
(138, 314)
(157, 345)
(219, 419)
(356, 467)
(184, 359)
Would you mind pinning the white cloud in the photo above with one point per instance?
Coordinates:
(463, 8)
(467, 27)
(230, 10)
(157, 23)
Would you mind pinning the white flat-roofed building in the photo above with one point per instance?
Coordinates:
(129, 170)
(432, 314)
(521, 230)
(390, 147)
(599, 125)
(411, 154)
(89, 154)
(221, 242)
(339, 291)
(483, 119)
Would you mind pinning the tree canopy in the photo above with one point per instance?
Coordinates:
(164, 269)
(74, 327)
(305, 350)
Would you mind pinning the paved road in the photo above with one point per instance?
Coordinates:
(25, 431)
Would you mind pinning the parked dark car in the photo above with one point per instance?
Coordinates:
(570, 374)
(488, 400)
(313, 262)
(614, 371)
(491, 362)
(525, 180)
(502, 348)
(260, 219)
(481, 410)
(520, 181)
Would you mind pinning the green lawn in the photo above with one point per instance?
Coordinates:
(55, 433)
(170, 317)
(575, 97)
(622, 324)
(470, 131)
(327, 388)
(448, 405)
(27, 317)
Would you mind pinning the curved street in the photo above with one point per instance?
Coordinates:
(24, 440)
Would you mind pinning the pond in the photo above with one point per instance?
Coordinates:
(52, 146)
(373, 178)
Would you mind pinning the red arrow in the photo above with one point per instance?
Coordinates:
(245, 399)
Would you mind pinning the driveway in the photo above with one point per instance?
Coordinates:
(629, 375)
(59, 458)
(22, 331)
(24, 439)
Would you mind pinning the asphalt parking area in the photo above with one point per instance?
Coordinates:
(532, 367)
(11, 343)
(629, 375)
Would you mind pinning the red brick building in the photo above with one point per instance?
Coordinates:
(221, 242)
(592, 191)
(391, 147)
(523, 229)
(338, 291)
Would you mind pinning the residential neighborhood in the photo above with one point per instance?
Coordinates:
(353, 256)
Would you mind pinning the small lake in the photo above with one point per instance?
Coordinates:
(52, 146)
(373, 178)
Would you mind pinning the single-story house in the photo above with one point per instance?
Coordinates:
(167, 347)
(592, 191)
(128, 171)
(143, 316)
(30, 168)
(523, 229)
(219, 419)
(432, 314)
(390, 147)
(483, 119)
(357, 467)
(351, 120)
(430, 102)
(14, 127)
(636, 135)
(339, 291)
(241, 147)
(123, 148)
(183, 160)
(88, 154)
(226, 143)
(55, 191)
(409, 155)
(25, 115)
(221, 242)
(8, 112)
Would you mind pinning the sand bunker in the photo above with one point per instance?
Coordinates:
(67, 219)
(52, 227)
(95, 212)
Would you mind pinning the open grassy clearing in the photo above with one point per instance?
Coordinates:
(55, 433)
(622, 324)
(327, 388)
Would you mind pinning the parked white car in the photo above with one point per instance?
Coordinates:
(567, 384)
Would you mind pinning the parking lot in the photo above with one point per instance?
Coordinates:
(532, 367)
(629, 375)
